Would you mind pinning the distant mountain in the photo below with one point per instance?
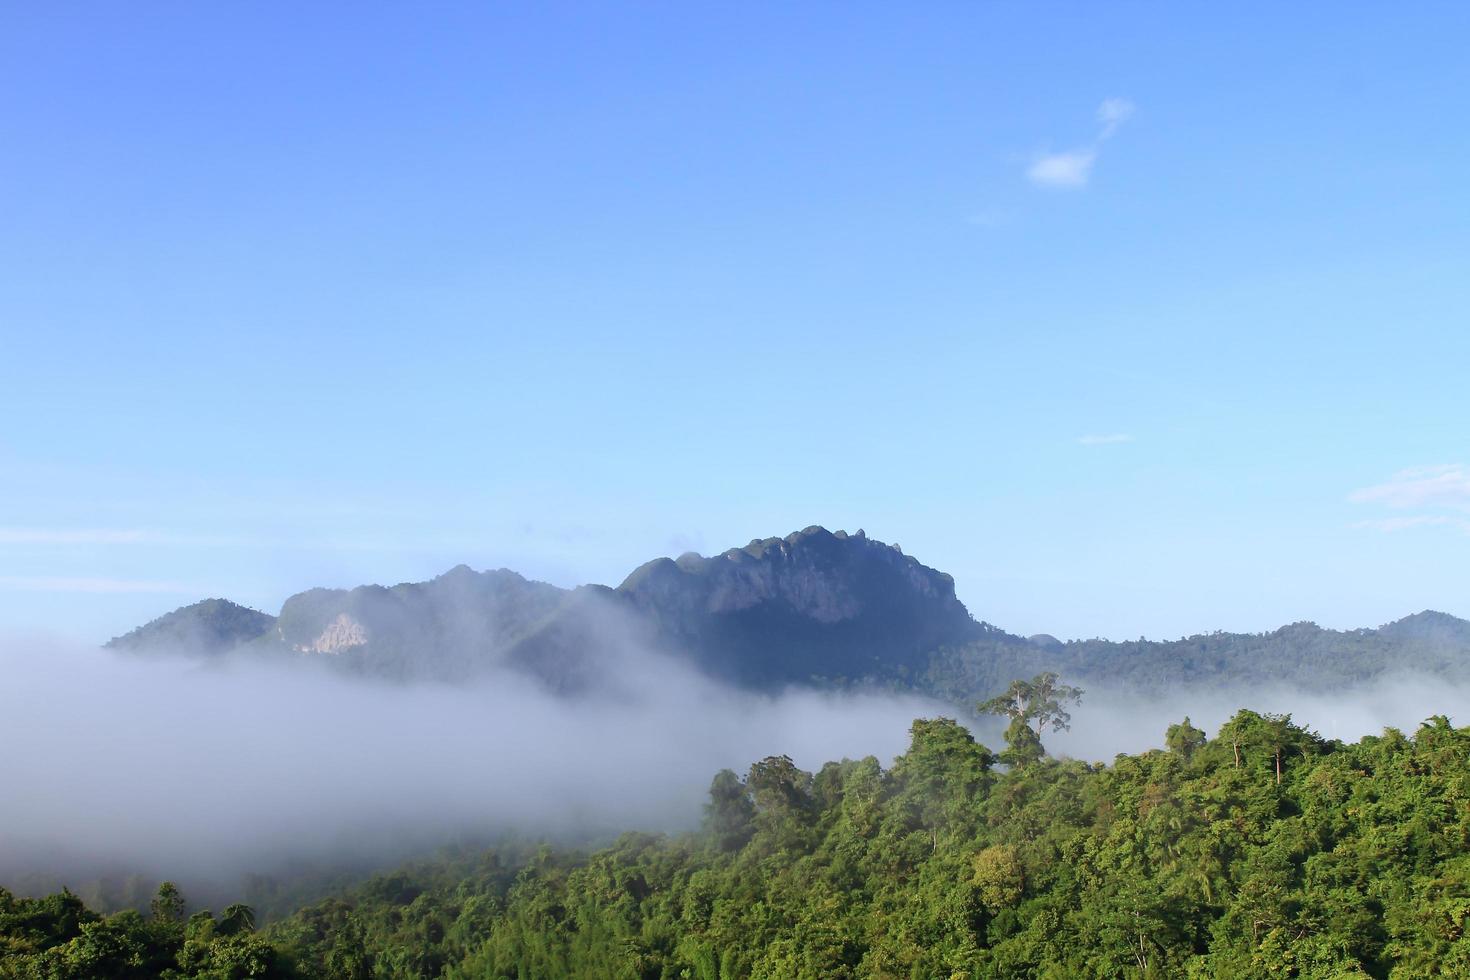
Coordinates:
(815, 607)
(1299, 656)
(1303, 655)
(811, 607)
(813, 604)
(448, 627)
(209, 627)
(1432, 630)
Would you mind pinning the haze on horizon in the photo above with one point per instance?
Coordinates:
(1137, 321)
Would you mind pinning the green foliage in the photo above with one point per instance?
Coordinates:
(999, 876)
(1166, 864)
(1184, 739)
(1265, 852)
(1023, 745)
(1040, 702)
(56, 938)
(1032, 706)
(167, 907)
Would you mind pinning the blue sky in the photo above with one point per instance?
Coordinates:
(1137, 319)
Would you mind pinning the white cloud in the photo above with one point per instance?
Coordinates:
(1112, 114)
(1108, 439)
(1423, 486)
(55, 583)
(1072, 169)
(1437, 496)
(1063, 170)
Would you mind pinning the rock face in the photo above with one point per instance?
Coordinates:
(342, 633)
(208, 627)
(814, 604)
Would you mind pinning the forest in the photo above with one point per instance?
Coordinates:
(1265, 851)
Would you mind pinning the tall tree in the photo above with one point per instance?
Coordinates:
(168, 905)
(729, 813)
(1039, 703)
(236, 918)
(1184, 739)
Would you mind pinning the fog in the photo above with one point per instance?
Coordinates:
(1107, 722)
(203, 771)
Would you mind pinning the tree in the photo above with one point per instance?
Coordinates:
(236, 918)
(777, 786)
(168, 905)
(729, 813)
(998, 876)
(1237, 731)
(1023, 746)
(1037, 704)
(1184, 739)
(941, 775)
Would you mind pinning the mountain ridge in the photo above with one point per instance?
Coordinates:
(815, 607)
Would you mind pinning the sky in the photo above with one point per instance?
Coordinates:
(1138, 319)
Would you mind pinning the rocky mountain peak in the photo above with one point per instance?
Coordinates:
(814, 602)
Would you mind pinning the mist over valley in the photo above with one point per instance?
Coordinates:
(219, 745)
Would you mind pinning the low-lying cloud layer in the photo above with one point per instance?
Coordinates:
(205, 771)
(1108, 722)
(175, 768)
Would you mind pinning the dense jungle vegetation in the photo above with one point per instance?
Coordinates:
(1264, 852)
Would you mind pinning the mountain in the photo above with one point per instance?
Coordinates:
(1302, 655)
(815, 607)
(209, 627)
(1299, 656)
(448, 627)
(812, 604)
(1431, 629)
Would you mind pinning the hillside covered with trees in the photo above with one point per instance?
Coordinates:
(1266, 851)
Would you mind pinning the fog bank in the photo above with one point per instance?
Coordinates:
(1109, 721)
(203, 771)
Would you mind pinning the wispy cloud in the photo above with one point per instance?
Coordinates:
(1108, 439)
(1072, 169)
(1440, 496)
(1112, 114)
(51, 583)
(1447, 485)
